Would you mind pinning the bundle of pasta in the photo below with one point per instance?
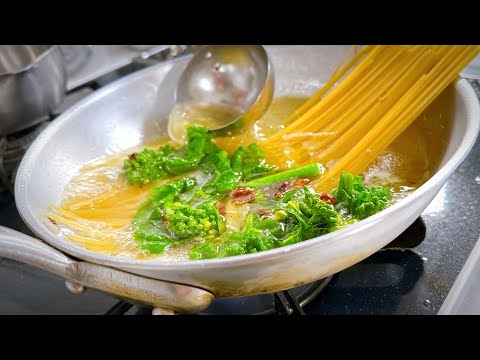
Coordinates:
(349, 126)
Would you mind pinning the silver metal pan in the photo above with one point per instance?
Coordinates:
(131, 111)
(32, 85)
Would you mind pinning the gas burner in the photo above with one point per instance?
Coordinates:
(14, 146)
(12, 149)
(287, 302)
(88, 67)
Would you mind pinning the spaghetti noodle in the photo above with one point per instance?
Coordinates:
(387, 89)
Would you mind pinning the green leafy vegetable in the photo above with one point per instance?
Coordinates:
(199, 144)
(198, 153)
(186, 209)
(147, 165)
(314, 216)
(258, 235)
(357, 201)
(233, 245)
(163, 219)
(311, 170)
(224, 178)
(250, 162)
(150, 165)
(187, 222)
(291, 222)
(206, 250)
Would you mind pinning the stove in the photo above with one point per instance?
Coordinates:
(411, 275)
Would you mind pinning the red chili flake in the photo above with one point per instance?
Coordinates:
(242, 195)
(221, 208)
(52, 221)
(283, 185)
(328, 198)
(301, 182)
(281, 188)
(132, 156)
(165, 218)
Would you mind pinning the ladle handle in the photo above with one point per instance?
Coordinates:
(157, 294)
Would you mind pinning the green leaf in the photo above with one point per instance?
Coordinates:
(250, 162)
(233, 245)
(182, 221)
(206, 250)
(358, 201)
(150, 165)
(224, 178)
(257, 240)
(154, 244)
(144, 167)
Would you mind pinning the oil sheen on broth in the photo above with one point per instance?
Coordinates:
(99, 198)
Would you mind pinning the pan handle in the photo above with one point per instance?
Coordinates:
(162, 296)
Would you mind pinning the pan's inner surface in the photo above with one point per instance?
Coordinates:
(98, 198)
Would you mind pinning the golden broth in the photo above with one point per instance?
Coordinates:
(99, 204)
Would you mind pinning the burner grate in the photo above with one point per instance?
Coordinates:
(287, 302)
(12, 149)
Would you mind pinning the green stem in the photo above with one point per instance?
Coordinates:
(307, 171)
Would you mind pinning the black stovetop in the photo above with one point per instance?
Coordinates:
(413, 280)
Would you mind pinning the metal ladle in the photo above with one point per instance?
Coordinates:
(221, 85)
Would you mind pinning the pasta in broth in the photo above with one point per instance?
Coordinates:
(220, 196)
(98, 204)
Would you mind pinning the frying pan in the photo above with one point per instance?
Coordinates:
(133, 110)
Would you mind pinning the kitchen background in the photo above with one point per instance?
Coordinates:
(413, 275)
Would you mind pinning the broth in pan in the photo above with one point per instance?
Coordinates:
(98, 204)
(373, 134)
